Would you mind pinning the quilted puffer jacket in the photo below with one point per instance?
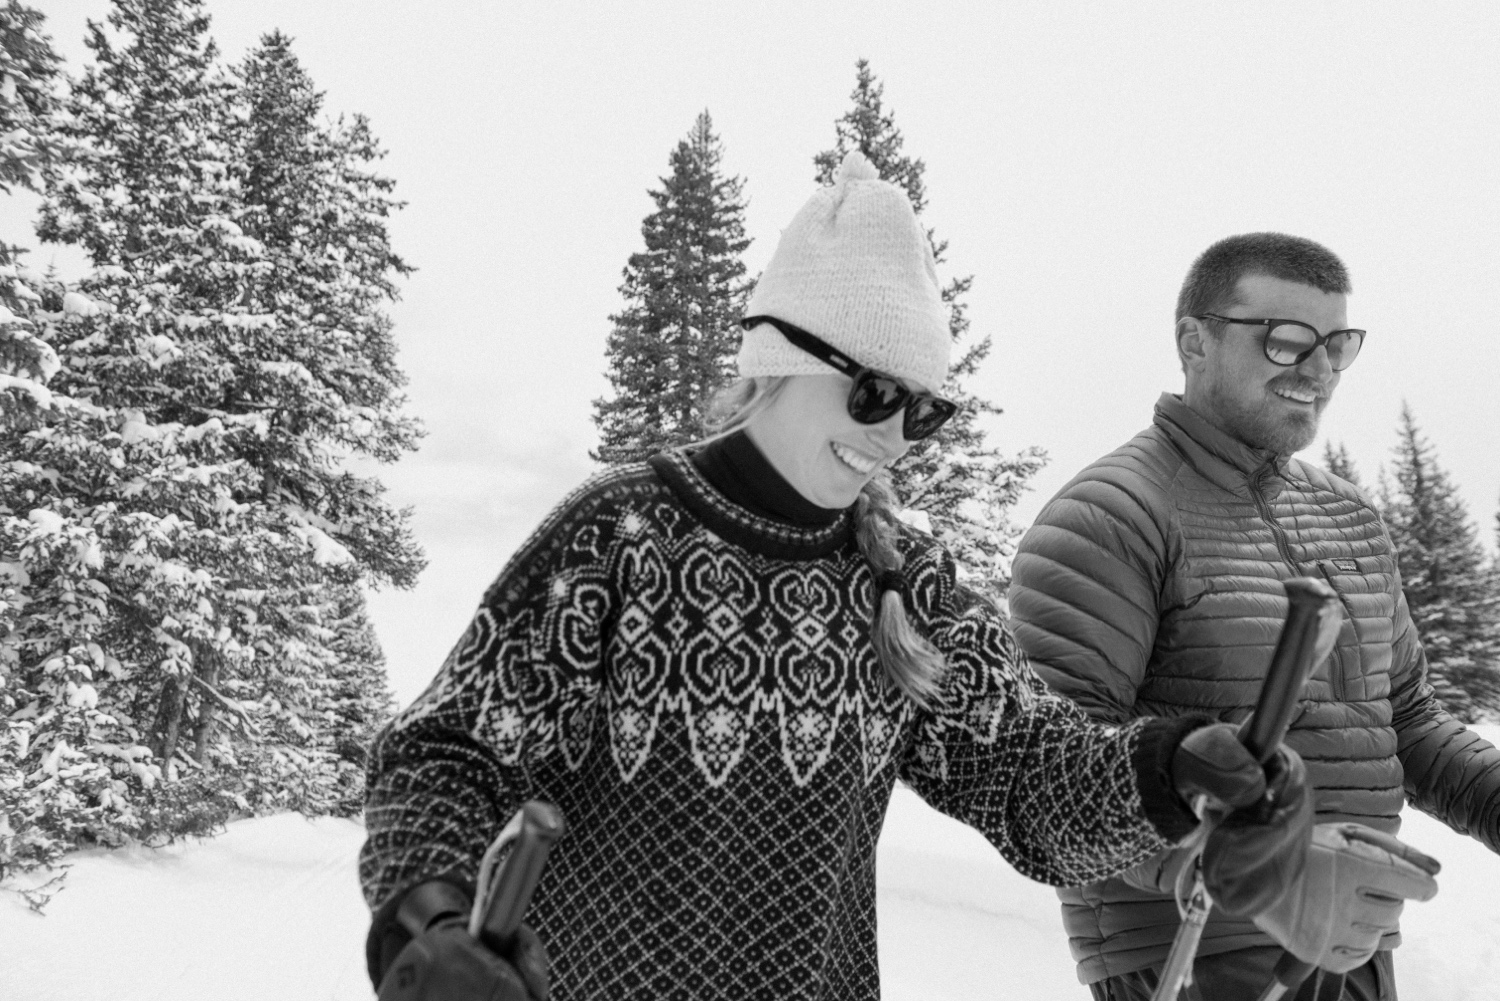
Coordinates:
(1150, 585)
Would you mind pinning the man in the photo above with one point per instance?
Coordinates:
(1151, 585)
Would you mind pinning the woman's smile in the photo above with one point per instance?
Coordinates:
(858, 461)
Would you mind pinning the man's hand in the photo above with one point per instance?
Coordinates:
(1352, 890)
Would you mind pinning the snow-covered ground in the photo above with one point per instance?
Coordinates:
(271, 910)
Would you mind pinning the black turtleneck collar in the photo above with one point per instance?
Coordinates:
(739, 513)
(739, 471)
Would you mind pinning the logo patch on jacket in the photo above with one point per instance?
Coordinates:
(1346, 564)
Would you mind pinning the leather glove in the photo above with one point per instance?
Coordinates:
(443, 963)
(1257, 853)
(1211, 761)
(1259, 847)
(1351, 893)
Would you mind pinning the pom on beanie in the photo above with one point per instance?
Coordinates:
(857, 167)
(854, 268)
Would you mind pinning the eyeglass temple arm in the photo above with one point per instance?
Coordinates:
(1235, 319)
(807, 342)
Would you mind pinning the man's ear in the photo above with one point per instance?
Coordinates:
(1192, 337)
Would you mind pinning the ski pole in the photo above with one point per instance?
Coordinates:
(504, 892)
(1287, 976)
(1307, 637)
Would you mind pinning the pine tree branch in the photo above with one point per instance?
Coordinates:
(228, 705)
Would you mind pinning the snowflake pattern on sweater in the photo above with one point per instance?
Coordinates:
(694, 686)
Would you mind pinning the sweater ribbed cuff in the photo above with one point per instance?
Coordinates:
(1168, 812)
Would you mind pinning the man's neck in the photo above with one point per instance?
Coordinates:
(1198, 402)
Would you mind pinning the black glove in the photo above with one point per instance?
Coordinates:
(443, 963)
(1259, 850)
(1211, 761)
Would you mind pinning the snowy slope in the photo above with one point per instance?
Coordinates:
(271, 910)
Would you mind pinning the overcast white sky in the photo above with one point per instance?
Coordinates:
(1078, 157)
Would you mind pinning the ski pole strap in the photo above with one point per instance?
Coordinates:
(1178, 970)
(1193, 906)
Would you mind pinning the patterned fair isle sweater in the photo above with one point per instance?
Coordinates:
(693, 684)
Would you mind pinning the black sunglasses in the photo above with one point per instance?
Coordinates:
(1291, 342)
(875, 396)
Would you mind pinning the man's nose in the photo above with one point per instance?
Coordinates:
(1316, 365)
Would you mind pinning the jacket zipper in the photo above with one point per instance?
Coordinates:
(1335, 656)
(1277, 532)
(1335, 675)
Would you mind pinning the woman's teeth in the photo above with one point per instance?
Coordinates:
(861, 464)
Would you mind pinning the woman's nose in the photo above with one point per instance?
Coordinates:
(890, 434)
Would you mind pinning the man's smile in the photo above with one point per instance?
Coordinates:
(1295, 395)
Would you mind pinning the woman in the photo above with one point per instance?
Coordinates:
(718, 663)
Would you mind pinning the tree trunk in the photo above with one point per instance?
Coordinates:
(169, 720)
(205, 729)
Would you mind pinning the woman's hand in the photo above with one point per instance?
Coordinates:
(1259, 848)
(446, 964)
(443, 962)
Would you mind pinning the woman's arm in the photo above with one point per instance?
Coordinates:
(1065, 799)
(447, 772)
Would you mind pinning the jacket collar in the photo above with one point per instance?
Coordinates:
(1227, 461)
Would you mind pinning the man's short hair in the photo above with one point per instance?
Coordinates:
(1214, 278)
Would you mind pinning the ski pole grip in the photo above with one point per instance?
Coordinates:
(1307, 637)
(537, 827)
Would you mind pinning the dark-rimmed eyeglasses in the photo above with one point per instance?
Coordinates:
(1291, 342)
(874, 396)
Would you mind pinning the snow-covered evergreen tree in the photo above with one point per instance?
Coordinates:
(152, 203)
(328, 367)
(29, 68)
(182, 533)
(954, 483)
(1444, 575)
(28, 77)
(1337, 461)
(673, 344)
(355, 701)
(319, 213)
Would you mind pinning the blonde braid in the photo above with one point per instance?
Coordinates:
(911, 662)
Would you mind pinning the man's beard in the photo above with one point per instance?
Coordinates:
(1266, 428)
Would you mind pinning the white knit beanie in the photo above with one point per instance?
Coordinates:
(855, 269)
